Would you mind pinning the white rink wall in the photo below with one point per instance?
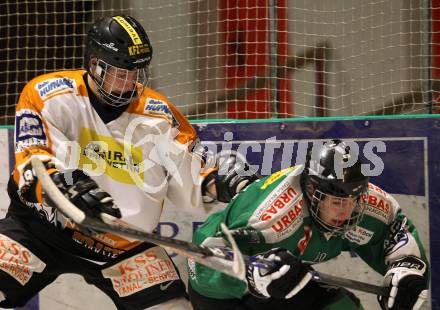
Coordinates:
(4, 168)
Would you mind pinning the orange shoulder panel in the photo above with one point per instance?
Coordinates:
(153, 104)
(32, 132)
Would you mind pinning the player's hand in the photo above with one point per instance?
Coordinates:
(407, 283)
(233, 175)
(284, 281)
(84, 193)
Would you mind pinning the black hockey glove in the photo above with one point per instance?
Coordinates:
(408, 284)
(233, 175)
(84, 193)
(288, 277)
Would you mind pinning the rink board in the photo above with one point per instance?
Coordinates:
(411, 171)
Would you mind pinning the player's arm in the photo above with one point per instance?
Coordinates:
(189, 163)
(287, 277)
(407, 267)
(33, 138)
(398, 254)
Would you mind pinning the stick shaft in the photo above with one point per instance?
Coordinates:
(348, 283)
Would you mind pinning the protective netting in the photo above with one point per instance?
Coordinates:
(248, 58)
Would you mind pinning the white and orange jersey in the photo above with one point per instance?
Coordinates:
(140, 158)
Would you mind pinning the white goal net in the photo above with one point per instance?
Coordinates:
(245, 58)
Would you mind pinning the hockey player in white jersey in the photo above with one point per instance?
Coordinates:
(112, 145)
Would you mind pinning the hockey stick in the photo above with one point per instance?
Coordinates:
(225, 260)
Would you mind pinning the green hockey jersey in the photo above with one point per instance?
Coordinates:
(273, 212)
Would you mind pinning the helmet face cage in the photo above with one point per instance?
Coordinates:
(317, 207)
(118, 86)
(337, 200)
(117, 55)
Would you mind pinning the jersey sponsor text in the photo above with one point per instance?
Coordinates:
(141, 271)
(54, 86)
(359, 235)
(18, 261)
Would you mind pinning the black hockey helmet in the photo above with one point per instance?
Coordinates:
(328, 173)
(120, 42)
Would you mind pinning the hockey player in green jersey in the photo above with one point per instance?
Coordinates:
(305, 215)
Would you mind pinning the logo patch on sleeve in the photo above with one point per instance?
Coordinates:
(29, 130)
(50, 87)
(18, 261)
(141, 271)
(280, 214)
(160, 108)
